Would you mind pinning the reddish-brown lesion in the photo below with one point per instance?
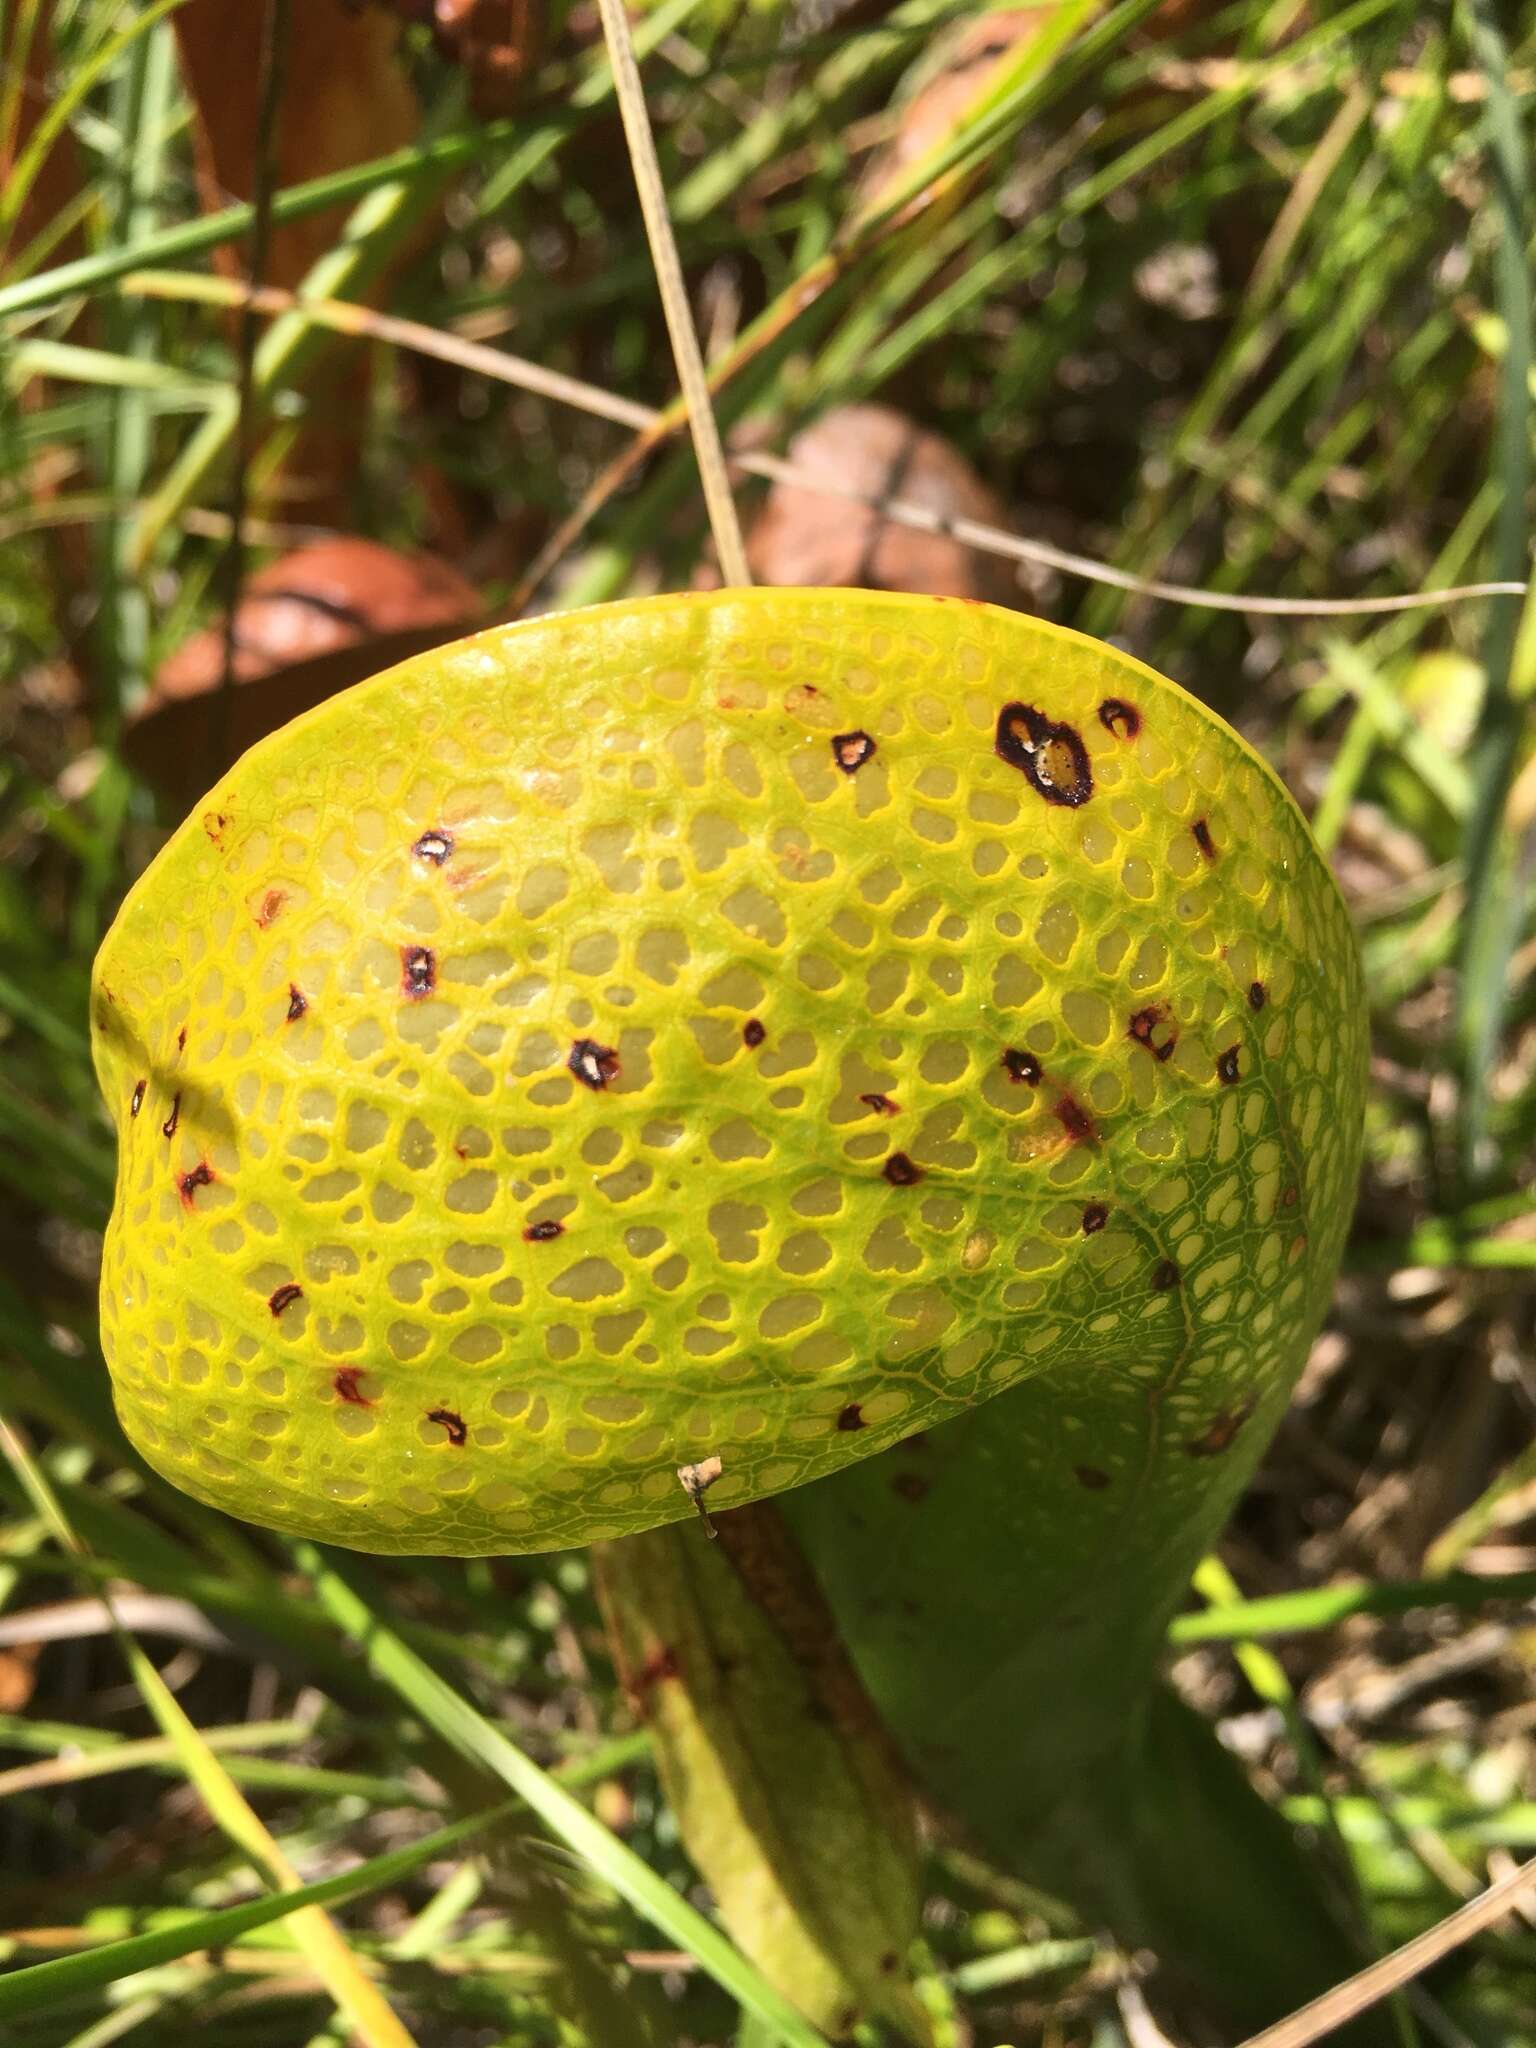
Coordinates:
(298, 1003)
(284, 1296)
(1120, 718)
(450, 1420)
(201, 1176)
(543, 1233)
(901, 1170)
(346, 1383)
(418, 972)
(1203, 839)
(271, 906)
(1022, 1066)
(1143, 1027)
(593, 1065)
(1222, 1433)
(1075, 1120)
(850, 750)
(1049, 754)
(168, 1128)
(851, 1417)
(1095, 1216)
(658, 1667)
(882, 1105)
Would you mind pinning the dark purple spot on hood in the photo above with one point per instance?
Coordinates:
(850, 750)
(593, 1065)
(453, 1422)
(1051, 756)
(1075, 1120)
(1141, 1027)
(1120, 718)
(418, 971)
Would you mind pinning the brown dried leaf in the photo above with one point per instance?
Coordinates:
(346, 99)
(803, 538)
(497, 42)
(58, 178)
(18, 1677)
(311, 623)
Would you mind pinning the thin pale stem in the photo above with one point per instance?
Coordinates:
(674, 297)
(1340, 2005)
(506, 368)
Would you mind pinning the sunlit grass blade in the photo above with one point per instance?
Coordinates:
(39, 1986)
(323, 1944)
(1284, 1614)
(1492, 913)
(67, 104)
(451, 1716)
(380, 225)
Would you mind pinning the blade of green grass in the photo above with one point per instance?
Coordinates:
(379, 225)
(1267, 1676)
(1284, 1614)
(354, 1993)
(66, 105)
(459, 1723)
(68, 362)
(41, 1985)
(1492, 916)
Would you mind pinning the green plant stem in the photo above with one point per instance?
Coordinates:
(1492, 911)
(1323, 1606)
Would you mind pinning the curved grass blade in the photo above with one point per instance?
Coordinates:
(324, 1946)
(452, 1717)
(41, 1985)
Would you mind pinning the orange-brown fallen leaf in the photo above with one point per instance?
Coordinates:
(801, 537)
(309, 624)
